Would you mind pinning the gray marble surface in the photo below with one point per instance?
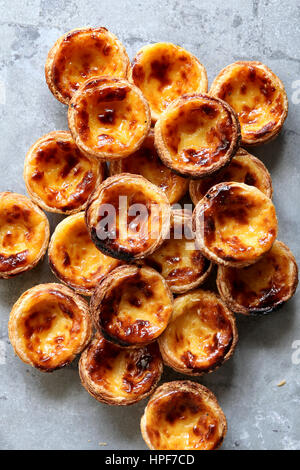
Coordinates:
(53, 411)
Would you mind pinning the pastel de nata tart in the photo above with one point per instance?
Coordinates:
(164, 71)
(81, 54)
(201, 334)
(24, 234)
(132, 306)
(178, 259)
(197, 135)
(258, 97)
(235, 224)
(128, 217)
(48, 326)
(243, 168)
(109, 118)
(73, 257)
(146, 162)
(183, 415)
(58, 177)
(262, 287)
(119, 376)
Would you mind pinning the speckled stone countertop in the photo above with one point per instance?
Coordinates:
(40, 411)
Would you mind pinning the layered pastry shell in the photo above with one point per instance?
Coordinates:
(183, 415)
(128, 217)
(243, 168)
(235, 224)
(258, 97)
(48, 326)
(164, 72)
(178, 259)
(80, 54)
(132, 306)
(24, 234)
(147, 163)
(201, 334)
(119, 376)
(58, 177)
(73, 257)
(262, 287)
(197, 135)
(109, 118)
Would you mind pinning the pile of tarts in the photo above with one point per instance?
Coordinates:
(163, 135)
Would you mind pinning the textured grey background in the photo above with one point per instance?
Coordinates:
(53, 411)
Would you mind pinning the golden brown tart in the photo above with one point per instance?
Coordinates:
(119, 376)
(258, 97)
(243, 168)
(235, 224)
(183, 415)
(58, 177)
(197, 135)
(178, 260)
(24, 234)
(109, 118)
(73, 257)
(164, 71)
(201, 334)
(262, 287)
(81, 54)
(132, 306)
(48, 325)
(146, 162)
(128, 217)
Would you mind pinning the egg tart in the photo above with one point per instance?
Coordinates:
(24, 234)
(119, 376)
(164, 71)
(262, 287)
(183, 415)
(109, 118)
(73, 257)
(58, 177)
(258, 97)
(48, 325)
(128, 217)
(243, 168)
(81, 54)
(201, 334)
(146, 162)
(132, 306)
(197, 135)
(235, 224)
(178, 260)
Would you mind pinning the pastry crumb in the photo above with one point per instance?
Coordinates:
(102, 444)
(283, 382)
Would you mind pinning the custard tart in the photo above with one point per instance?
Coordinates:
(183, 415)
(128, 217)
(178, 260)
(201, 334)
(235, 224)
(81, 54)
(197, 135)
(258, 97)
(164, 72)
(109, 118)
(243, 168)
(132, 306)
(146, 162)
(24, 234)
(58, 177)
(119, 376)
(262, 287)
(73, 257)
(48, 326)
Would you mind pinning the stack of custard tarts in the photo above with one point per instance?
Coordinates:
(164, 135)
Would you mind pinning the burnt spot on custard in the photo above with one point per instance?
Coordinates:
(11, 262)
